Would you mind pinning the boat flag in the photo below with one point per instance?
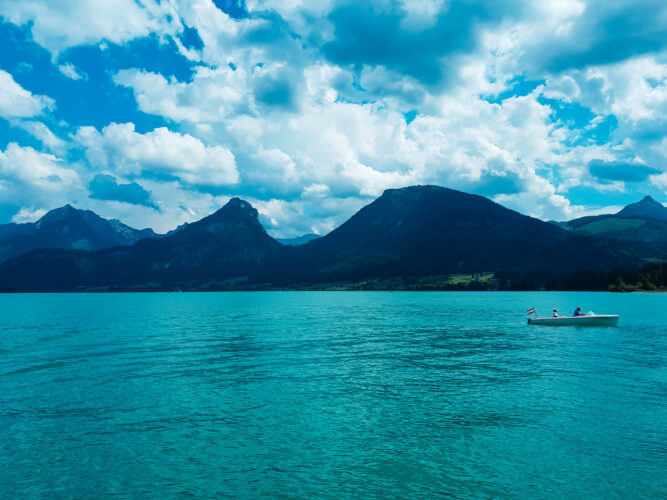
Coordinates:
(531, 311)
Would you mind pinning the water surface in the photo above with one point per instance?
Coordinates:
(331, 394)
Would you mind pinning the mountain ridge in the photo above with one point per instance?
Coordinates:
(644, 221)
(219, 246)
(67, 227)
(436, 230)
(412, 233)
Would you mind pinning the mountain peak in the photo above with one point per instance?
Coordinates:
(420, 196)
(232, 234)
(235, 209)
(62, 213)
(235, 214)
(646, 208)
(66, 209)
(238, 202)
(408, 190)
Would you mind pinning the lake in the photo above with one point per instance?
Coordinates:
(330, 395)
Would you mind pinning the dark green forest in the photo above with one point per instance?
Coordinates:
(651, 278)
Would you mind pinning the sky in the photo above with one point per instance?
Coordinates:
(158, 112)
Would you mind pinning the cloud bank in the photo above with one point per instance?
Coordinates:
(311, 109)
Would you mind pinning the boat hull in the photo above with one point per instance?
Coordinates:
(596, 320)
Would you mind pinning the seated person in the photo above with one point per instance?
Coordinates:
(555, 313)
(577, 312)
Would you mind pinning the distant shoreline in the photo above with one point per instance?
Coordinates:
(256, 290)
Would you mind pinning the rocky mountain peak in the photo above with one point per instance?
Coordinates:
(235, 210)
(646, 208)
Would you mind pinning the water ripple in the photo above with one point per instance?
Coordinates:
(330, 395)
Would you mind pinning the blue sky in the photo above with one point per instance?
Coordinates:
(157, 113)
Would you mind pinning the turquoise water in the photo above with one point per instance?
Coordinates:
(331, 394)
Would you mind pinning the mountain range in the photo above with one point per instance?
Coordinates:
(644, 221)
(431, 231)
(67, 227)
(416, 236)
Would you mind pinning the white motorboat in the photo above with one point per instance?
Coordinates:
(588, 320)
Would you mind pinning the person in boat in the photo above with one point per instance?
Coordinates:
(577, 312)
(555, 313)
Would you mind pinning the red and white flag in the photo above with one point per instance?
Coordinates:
(531, 311)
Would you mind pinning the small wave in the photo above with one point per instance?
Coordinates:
(34, 368)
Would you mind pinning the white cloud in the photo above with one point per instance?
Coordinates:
(215, 28)
(16, 102)
(44, 134)
(342, 138)
(287, 219)
(31, 178)
(161, 151)
(278, 212)
(420, 15)
(632, 90)
(60, 24)
(362, 149)
(541, 201)
(177, 204)
(28, 214)
(637, 89)
(634, 94)
(372, 182)
(211, 97)
(42, 170)
(272, 168)
(285, 7)
(70, 71)
(315, 191)
(660, 180)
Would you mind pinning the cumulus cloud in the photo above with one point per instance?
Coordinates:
(41, 170)
(28, 214)
(383, 34)
(270, 170)
(601, 32)
(211, 97)
(628, 97)
(40, 180)
(360, 149)
(67, 23)
(287, 219)
(41, 132)
(16, 102)
(353, 145)
(311, 109)
(660, 181)
(160, 151)
(315, 191)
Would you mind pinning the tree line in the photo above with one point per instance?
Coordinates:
(650, 278)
